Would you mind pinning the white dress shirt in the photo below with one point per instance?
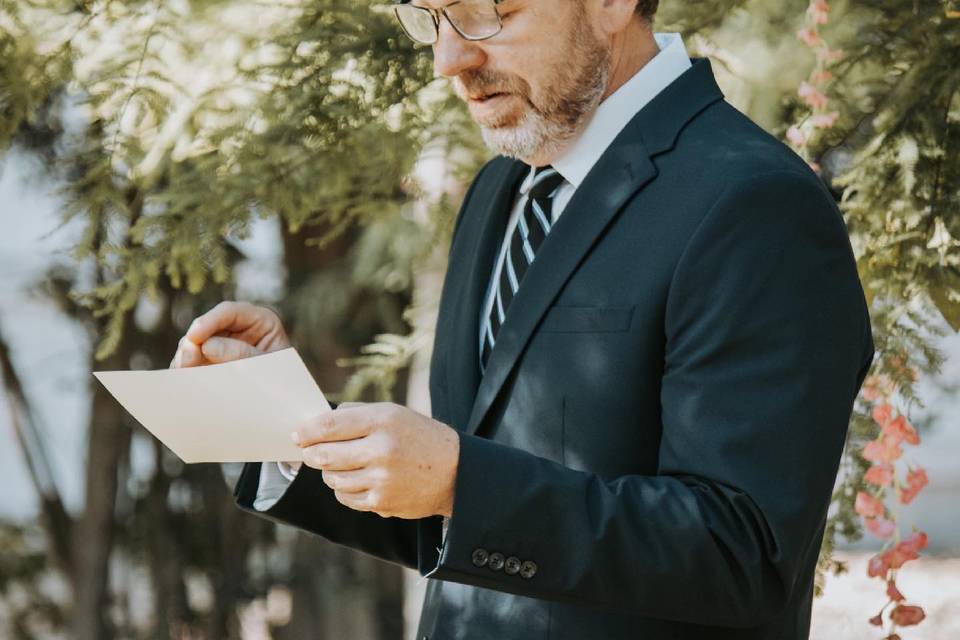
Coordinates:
(609, 118)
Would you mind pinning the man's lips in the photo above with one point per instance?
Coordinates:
(485, 96)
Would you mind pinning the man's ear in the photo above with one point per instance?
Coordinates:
(615, 15)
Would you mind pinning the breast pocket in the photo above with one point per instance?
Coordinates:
(587, 319)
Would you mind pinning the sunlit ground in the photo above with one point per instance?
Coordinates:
(849, 600)
(841, 614)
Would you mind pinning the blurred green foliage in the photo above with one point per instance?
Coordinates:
(199, 117)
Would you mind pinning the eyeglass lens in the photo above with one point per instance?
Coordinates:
(473, 19)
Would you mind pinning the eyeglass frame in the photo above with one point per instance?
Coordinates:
(435, 14)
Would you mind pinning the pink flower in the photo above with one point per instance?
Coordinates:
(812, 96)
(907, 549)
(809, 36)
(916, 480)
(825, 119)
(868, 506)
(879, 474)
(819, 77)
(898, 556)
(883, 450)
(906, 615)
(818, 10)
(796, 137)
(880, 527)
(893, 593)
(878, 386)
(828, 55)
(902, 430)
(917, 540)
(882, 413)
(877, 567)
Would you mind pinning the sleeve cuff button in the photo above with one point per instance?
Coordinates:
(528, 569)
(480, 557)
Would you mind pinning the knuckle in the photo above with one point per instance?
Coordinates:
(390, 412)
(316, 457)
(389, 449)
(326, 422)
(271, 313)
(330, 480)
(377, 453)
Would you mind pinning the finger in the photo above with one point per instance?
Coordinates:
(347, 405)
(343, 424)
(228, 316)
(347, 481)
(188, 355)
(220, 349)
(359, 501)
(337, 456)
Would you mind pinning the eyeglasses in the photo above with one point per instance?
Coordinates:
(472, 19)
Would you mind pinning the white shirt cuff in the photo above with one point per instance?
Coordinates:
(274, 481)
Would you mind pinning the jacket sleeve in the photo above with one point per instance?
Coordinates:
(767, 343)
(309, 504)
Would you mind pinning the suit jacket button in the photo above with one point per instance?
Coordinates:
(511, 566)
(480, 557)
(496, 561)
(528, 569)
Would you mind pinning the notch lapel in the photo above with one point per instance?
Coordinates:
(623, 169)
(482, 235)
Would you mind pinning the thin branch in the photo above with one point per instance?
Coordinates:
(57, 521)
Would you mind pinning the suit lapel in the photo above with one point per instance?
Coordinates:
(482, 236)
(623, 169)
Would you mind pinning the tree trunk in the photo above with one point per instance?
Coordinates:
(108, 442)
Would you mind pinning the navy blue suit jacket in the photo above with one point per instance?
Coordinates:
(651, 451)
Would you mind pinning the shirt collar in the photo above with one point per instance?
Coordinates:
(613, 114)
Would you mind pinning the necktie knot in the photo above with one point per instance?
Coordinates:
(545, 181)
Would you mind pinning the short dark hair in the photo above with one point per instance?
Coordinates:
(647, 8)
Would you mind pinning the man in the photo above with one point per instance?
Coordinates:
(650, 338)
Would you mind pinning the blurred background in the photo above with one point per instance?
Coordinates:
(158, 157)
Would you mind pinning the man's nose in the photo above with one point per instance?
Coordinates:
(452, 55)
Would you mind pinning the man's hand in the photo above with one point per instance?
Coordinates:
(230, 331)
(385, 458)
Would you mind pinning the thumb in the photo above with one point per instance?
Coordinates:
(347, 405)
(220, 349)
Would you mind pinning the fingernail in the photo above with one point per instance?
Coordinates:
(295, 437)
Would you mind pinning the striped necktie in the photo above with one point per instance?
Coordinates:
(531, 230)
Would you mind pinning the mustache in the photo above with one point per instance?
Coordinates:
(482, 82)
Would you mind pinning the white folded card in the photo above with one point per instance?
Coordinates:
(240, 411)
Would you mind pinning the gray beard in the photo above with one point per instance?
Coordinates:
(538, 135)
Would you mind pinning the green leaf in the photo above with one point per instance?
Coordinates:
(945, 293)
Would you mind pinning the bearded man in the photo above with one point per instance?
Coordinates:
(649, 342)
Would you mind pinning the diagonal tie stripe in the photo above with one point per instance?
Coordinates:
(530, 232)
